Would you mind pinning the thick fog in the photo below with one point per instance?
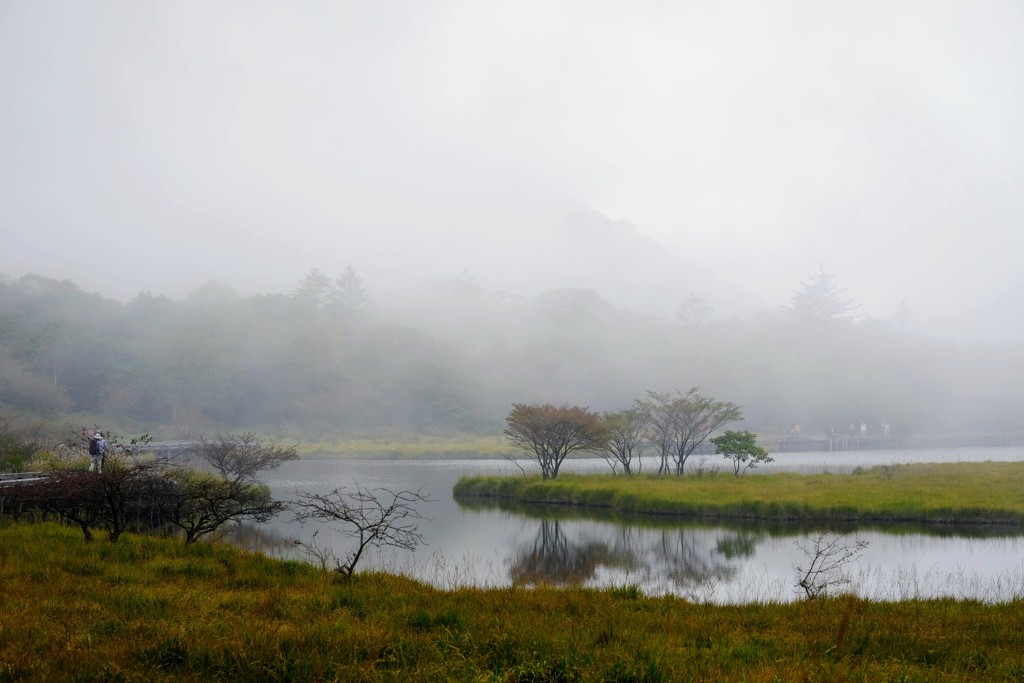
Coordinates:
(644, 150)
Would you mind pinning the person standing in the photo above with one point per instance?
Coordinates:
(97, 452)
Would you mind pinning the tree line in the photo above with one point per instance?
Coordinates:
(673, 424)
(331, 357)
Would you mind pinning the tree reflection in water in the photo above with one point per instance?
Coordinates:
(690, 559)
(554, 559)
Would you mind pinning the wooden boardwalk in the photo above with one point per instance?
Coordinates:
(167, 449)
(17, 478)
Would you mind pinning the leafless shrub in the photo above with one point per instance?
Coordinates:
(373, 517)
(323, 556)
(825, 562)
(240, 458)
(703, 469)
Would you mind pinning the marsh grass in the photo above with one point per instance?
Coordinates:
(411, 446)
(985, 492)
(155, 609)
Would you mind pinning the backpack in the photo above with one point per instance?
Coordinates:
(94, 447)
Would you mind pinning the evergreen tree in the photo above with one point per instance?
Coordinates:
(821, 299)
(349, 294)
(315, 290)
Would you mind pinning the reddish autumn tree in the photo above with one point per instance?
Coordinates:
(551, 433)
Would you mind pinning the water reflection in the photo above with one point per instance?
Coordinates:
(555, 557)
(488, 543)
(752, 561)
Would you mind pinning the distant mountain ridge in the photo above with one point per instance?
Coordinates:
(587, 250)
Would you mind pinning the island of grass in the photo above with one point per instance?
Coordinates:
(951, 493)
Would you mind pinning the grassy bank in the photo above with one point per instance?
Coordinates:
(155, 609)
(988, 492)
(409, 446)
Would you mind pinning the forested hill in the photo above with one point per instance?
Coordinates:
(329, 358)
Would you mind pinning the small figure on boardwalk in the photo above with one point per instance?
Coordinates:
(863, 428)
(885, 428)
(97, 452)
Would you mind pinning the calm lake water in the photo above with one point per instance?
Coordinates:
(487, 544)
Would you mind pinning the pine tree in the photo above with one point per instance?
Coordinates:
(821, 299)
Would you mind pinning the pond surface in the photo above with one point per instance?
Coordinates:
(491, 544)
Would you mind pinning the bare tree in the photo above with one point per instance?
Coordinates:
(551, 433)
(661, 426)
(679, 423)
(826, 559)
(625, 438)
(698, 417)
(373, 517)
(240, 458)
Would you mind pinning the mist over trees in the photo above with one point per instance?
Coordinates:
(331, 358)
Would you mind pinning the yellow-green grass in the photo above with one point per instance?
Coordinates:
(151, 609)
(410, 446)
(986, 492)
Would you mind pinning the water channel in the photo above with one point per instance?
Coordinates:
(488, 544)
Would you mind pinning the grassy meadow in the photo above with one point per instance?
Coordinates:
(152, 609)
(986, 492)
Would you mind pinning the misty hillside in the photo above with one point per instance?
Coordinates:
(528, 251)
(155, 146)
(331, 357)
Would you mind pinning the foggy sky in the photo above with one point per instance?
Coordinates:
(153, 146)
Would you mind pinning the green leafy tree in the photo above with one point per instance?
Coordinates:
(551, 433)
(199, 503)
(742, 449)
